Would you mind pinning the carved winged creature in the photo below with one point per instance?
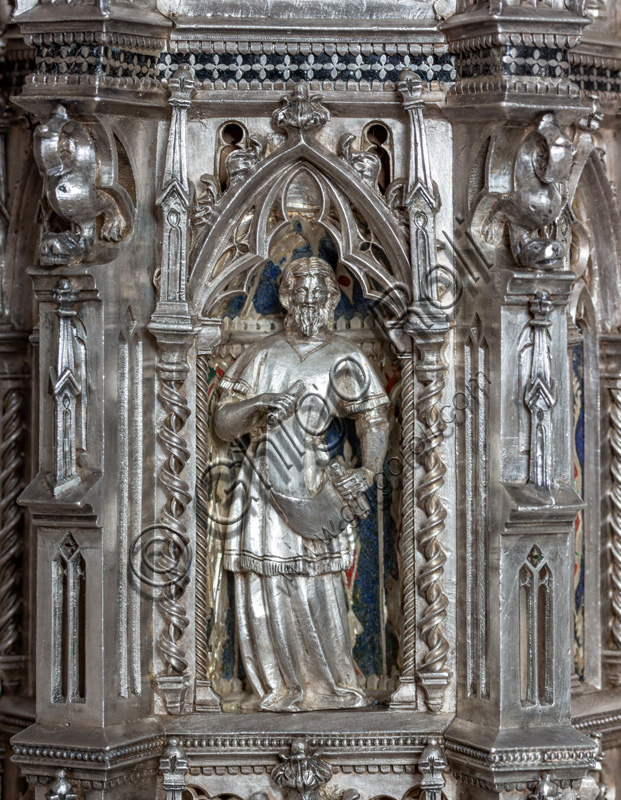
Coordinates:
(239, 162)
(65, 154)
(366, 164)
(539, 198)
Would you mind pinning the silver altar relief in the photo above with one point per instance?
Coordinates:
(310, 400)
(290, 534)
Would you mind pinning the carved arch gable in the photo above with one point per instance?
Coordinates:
(344, 195)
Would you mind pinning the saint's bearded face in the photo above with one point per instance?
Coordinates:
(309, 311)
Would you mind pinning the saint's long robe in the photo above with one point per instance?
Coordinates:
(287, 541)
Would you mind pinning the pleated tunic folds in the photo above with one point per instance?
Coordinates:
(281, 541)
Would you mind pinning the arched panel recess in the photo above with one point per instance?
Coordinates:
(257, 195)
(594, 312)
(603, 223)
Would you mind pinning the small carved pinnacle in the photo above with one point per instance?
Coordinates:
(174, 761)
(64, 294)
(410, 87)
(542, 304)
(181, 86)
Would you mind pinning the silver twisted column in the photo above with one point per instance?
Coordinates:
(12, 480)
(174, 559)
(11, 484)
(405, 695)
(171, 561)
(615, 524)
(173, 328)
(202, 437)
(431, 371)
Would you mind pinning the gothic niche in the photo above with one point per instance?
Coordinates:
(286, 227)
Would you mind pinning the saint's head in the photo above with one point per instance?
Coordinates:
(309, 292)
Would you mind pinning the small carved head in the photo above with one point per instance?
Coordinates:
(309, 292)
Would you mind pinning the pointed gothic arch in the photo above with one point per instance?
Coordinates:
(597, 196)
(256, 195)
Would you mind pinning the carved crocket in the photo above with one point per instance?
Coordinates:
(65, 154)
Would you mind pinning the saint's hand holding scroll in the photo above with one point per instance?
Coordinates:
(293, 512)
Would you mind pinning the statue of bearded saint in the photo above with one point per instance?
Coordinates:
(291, 530)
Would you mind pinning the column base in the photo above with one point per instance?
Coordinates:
(404, 698)
(205, 699)
(173, 689)
(434, 685)
(502, 760)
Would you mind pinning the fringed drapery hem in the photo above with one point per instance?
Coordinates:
(297, 566)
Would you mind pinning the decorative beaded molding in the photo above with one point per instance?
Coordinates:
(144, 749)
(268, 63)
(530, 757)
(317, 740)
(562, 86)
(123, 41)
(121, 780)
(16, 722)
(556, 41)
(609, 718)
(464, 777)
(127, 778)
(141, 85)
(260, 769)
(17, 65)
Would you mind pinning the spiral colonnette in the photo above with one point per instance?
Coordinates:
(202, 433)
(430, 532)
(615, 518)
(170, 561)
(407, 532)
(11, 484)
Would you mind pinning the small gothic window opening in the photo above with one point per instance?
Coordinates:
(376, 138)
(232, 136)
(536, 625)
(68, 619)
